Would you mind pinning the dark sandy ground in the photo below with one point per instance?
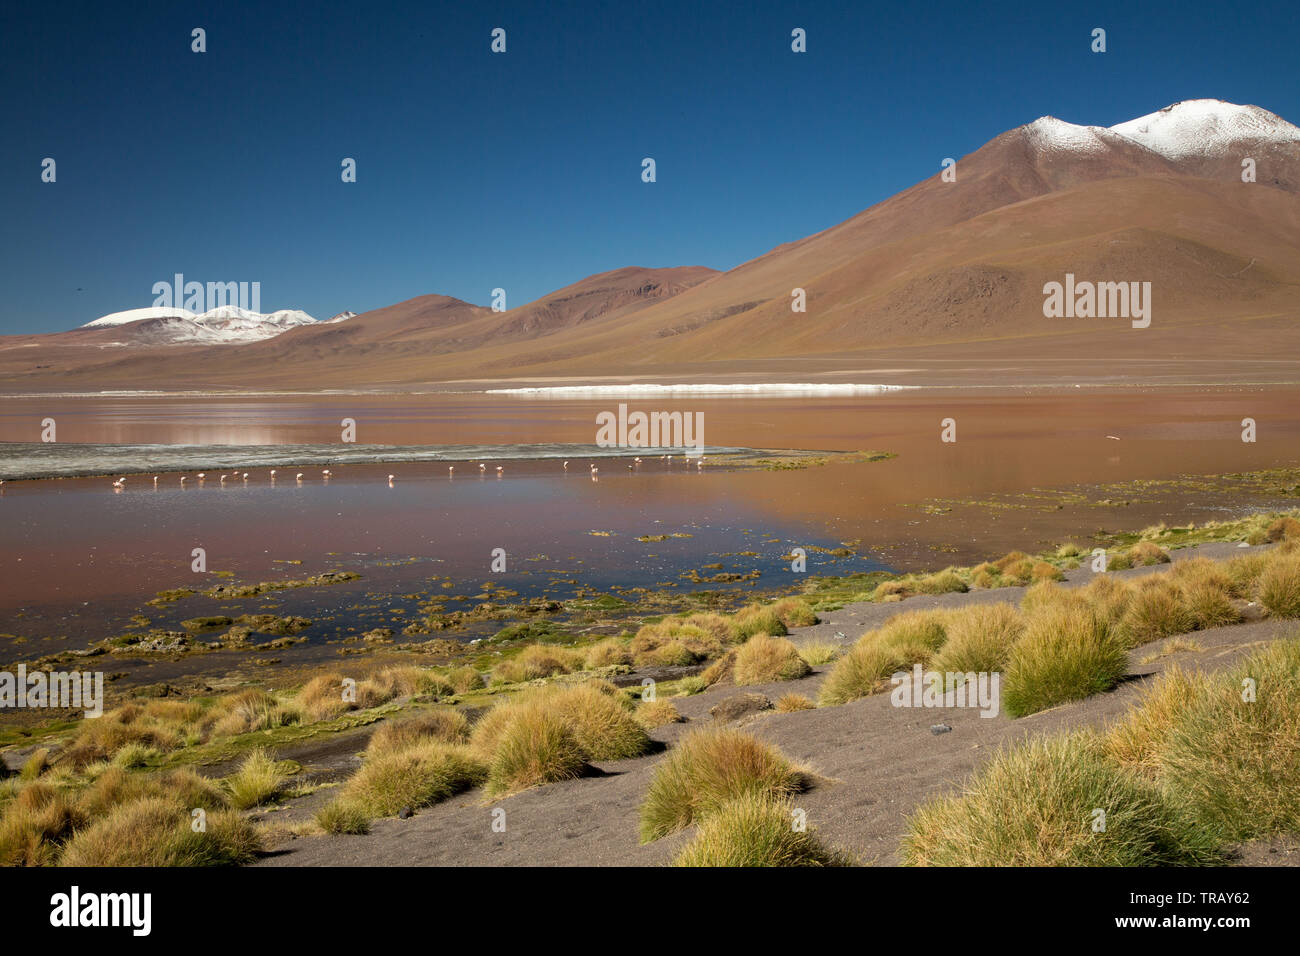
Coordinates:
(878, 762)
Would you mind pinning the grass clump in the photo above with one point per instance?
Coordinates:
(817, 653)
(1035, 805)
(1146, 553)
(795, 612)
(905, 639)
(156, 831)
(860, 672)
(34, 824)
(656, 713)
(705, 770)
(607, 653)
(592, 723)
(465, 680)
(756, 619)
(765, 660)
(1137, 739)
(1282, 529)
(419, 775)
(1066, 654)
(1236, 760)
(789, 703)
(35, 765)
(979, 639)
(537, 661)
(1156, 609)
(535, 747)
(340, 817)
(946, 581)
(756, 830)
(258, 779)
(441, 723)
(1279, 586)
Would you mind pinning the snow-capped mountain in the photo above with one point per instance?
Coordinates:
(226, 325)
(1206, 128)
(1189, 130)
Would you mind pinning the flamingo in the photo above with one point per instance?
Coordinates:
(300, 477)
(500, 469)
(155, 481)
(202, 475)
(637, 460)
(223, 481)
(451, 469)
(325, 472)
(390, 479)
(182, 481)
(482, 467)
(272, 472)
(566, 466)
(245, 476)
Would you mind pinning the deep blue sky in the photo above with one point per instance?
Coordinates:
(522, 170)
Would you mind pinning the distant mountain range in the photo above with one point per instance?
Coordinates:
(941, 282)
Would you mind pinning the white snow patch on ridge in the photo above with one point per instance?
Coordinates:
(139, 315)
(227, 324)
(1050, 133)
(1205, 128)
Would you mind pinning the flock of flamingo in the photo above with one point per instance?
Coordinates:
(119, 484)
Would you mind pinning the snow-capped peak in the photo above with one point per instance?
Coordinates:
(139, 315)
(225, 325)
(1205, 128)
(1050, 133)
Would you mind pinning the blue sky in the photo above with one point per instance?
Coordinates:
(522, 170)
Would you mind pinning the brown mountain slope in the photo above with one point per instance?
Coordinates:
(940, 273)
(383, 347)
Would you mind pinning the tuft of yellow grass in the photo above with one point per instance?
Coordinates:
(464, 680)
(1137, 739)
(754, 829)
(34, 823)
(656, 713)
(1065, 654)
(794, 612)
(1156, 609)
(258, 779)
(1035, 805)
(156, 831)
(535, 662)
(535, 747)
(607, 653)
(440, 723)
(817, 653)
(1279, 586)
(764, 660)
(597, 726)
(1233, 752)
(789, 703)
(979, 638)
(860, 672)
(706, 769)
(1282, 529)
(418, 775)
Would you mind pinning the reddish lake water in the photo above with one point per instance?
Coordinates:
(78, 558)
